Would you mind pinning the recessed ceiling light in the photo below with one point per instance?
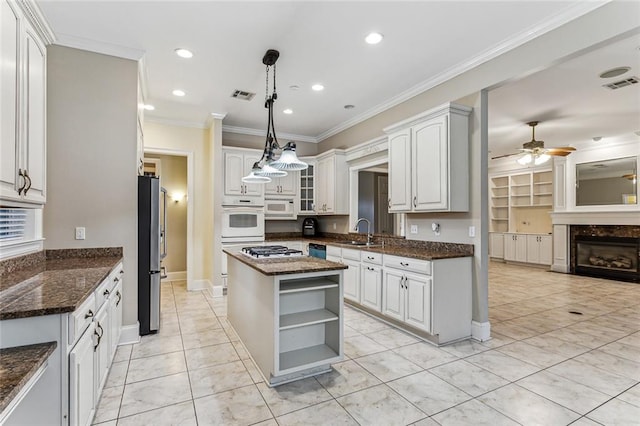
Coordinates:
(149, 107)
(614, 72)
(373, 38)
(317, 87)
(596, 138)
(349, 106)
(288, 111)
(184, 53)
(178, 92)
(294, 87)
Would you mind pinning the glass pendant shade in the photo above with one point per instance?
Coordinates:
(269, 171)
(289, 160)
(253, 178)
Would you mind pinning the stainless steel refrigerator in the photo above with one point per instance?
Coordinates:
(152, 248)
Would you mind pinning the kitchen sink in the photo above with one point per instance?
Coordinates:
(362, 244)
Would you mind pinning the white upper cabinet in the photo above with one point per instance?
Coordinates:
(238, 164)
(286, 186)
(22, 109)
(331, 184)
(429, 161)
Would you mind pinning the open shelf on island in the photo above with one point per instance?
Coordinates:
(306, 356)
(301, 319)
(308, 284)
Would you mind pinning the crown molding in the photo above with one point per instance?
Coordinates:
(100, 47)
(177, 123)
(570, 13)
(37, 19)
(256, 132)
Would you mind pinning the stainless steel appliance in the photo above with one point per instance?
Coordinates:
(242, 224)
(309, 227)
(318, 250)
(261, 252)
(279, 209)
(152, 248)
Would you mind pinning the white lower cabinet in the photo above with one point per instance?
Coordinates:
(515, 247)
(496, 245)
(91, 350)
(540, 249)
(82, 379)
(407, 298)
(352, 280)
(371, 286)
(528, 248)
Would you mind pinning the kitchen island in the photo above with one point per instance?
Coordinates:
(288, 312)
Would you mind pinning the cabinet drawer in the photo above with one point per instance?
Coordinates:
(334, 251)
(80, 319)
(371, 257)
(416, 265)
(102, 292)
(351, 254)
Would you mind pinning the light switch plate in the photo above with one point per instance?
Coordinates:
(80, 233)
(414, 229)
(472, 231)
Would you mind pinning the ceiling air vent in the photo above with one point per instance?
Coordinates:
(622, 83)
(241, 94)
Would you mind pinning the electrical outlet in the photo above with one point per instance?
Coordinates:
(472, 231)
(334, 226)
(414, 229)
(80, 233)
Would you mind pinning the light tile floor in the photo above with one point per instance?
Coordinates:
(544, 365)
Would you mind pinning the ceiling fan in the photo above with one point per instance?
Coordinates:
(535, 152)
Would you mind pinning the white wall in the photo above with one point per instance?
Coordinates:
(91, 157)
(547, 50)
(194, 140)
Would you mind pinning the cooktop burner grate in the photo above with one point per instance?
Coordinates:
(270, 251)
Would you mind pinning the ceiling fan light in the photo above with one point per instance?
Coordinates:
(525, 159)
(541, 159)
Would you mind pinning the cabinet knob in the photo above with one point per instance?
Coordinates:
(106, 293)
(404, 264)
(116, 279)
(88, 314)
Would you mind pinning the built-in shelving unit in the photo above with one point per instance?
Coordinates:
(500, 203)
(309, 323)
(517, 190)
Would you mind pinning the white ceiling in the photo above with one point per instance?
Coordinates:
(425, 42)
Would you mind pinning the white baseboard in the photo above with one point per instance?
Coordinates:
(130, 334)
(197, 285)
(559, 267)
(176, 276)
(480, 331)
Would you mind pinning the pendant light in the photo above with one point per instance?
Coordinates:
(269, 166)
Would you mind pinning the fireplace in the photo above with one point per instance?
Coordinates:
(607, 257)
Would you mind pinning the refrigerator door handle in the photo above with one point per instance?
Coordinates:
(154, 308)
(163, 231)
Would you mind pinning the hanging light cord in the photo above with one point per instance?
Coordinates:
(271, 142)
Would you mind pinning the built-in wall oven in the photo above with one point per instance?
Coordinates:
(242, 224)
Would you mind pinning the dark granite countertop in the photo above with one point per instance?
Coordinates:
(288, 265)
(18, 365)
(415, 249)
(56, 285)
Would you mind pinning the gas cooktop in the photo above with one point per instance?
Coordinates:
(270, 252)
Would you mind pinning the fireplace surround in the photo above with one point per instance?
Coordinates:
(606, 251)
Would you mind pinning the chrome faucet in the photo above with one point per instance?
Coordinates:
(369, 234)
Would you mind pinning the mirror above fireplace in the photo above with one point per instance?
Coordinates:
(607, 182)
